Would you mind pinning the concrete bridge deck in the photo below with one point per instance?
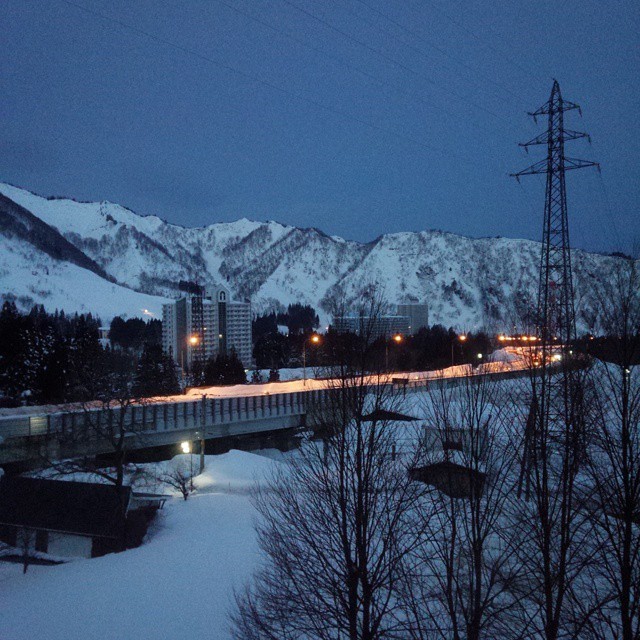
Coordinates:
(65, 431)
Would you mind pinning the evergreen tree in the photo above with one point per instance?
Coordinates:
(224, 370)
(53, 375)
(272, 350)
(13, 351)
(89, 363)
(155, 374)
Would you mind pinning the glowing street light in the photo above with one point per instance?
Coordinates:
(187, 447)
(462, 338)
(397, 338)
(315, 340)
(193, 340)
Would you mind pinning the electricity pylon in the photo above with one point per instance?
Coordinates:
(555, 314)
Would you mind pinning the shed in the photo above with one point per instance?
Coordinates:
(454, 480)
(68, 518)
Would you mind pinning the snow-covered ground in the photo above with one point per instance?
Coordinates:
(179, 584)
(293, 373)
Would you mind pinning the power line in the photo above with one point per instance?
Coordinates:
(391, 60)
(435, 47)
(471, 32)
(382, 83)
(249, 76)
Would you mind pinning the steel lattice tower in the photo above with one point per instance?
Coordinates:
(554, 394)
(555, 316)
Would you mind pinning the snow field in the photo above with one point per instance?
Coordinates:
(179, 584)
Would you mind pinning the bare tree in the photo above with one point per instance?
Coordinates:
(109, 425)
(178, 477)
(615, 460)
(553, 515)
(334, 522)
(25, 541)
(465, 580)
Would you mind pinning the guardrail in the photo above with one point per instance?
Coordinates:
(155, 416)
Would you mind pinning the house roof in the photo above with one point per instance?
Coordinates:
(83, 508)
(453, 479)
(379, 415)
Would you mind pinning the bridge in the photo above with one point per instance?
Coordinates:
(32, 434)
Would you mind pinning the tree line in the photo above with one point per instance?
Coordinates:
(430, 348)
(56, 358)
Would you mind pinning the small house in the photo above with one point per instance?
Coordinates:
(61, 518)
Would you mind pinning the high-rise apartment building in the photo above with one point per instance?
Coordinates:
(418, 315)
(198, 327)
(373, 328)
(409, 319)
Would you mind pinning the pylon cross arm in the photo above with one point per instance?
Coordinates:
(538, 167)
(575, 163)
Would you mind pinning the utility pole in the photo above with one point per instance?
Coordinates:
(555, 314)
(203, 425)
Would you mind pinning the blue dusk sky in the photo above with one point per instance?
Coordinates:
(359, 117)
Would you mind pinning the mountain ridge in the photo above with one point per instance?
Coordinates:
(468, 282)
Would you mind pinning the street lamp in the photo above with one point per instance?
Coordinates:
(314, 340)
(462, 337)
(187, 447)
(397, 338)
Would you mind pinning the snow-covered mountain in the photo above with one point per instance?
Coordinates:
(467, 282)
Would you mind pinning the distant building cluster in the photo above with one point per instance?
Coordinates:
(408, 320)
(201, 326)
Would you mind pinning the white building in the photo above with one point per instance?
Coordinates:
(417, 314)
(409, 319)
(239, 330)
(373, 328)
(199, 327)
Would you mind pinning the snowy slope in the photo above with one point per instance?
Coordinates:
(33, 277)
(467, 282)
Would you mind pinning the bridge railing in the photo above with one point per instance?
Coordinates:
(194, 413)
(153, 417)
